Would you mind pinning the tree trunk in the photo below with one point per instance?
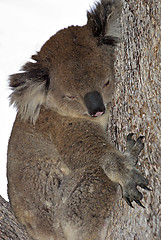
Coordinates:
(135, 109)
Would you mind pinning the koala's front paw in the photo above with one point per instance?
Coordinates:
(134, 147)
(135, 178)
(130, 191)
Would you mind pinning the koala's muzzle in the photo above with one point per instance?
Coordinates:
(94, 104)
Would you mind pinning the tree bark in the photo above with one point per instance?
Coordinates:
(10, 229)
(135, 109)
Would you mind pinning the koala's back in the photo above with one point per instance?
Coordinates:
(54, 197)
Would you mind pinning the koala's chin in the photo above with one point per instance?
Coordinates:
(62, 171)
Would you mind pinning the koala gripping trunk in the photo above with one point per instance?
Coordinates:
(62, 171)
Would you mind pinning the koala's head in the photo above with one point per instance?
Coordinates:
(73, 73)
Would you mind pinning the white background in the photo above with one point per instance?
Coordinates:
(25, 25)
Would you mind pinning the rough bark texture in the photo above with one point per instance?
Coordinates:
(135, 109)
(10, 229)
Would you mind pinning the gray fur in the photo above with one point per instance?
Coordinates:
(62, 171)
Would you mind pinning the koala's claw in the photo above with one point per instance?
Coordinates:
(139, 203)
(134, 147)
(129, 136)
(140, 139)
(130, 191)
(145, 187)
(130, 142)
(133, 195)
(130, 203)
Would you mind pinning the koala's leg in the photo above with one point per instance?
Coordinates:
(88, 199)
(120, 168)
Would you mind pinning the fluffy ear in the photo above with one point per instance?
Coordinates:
(30, 89)
(104, 21)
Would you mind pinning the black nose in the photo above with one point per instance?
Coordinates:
(94, 104)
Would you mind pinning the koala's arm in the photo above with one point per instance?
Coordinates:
(95, 149)
(120, 168)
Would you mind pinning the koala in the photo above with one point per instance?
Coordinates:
(63, 172)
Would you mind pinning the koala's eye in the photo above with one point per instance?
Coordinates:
(106, 84)
(71, 98)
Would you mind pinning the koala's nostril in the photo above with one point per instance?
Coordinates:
(94, 103)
